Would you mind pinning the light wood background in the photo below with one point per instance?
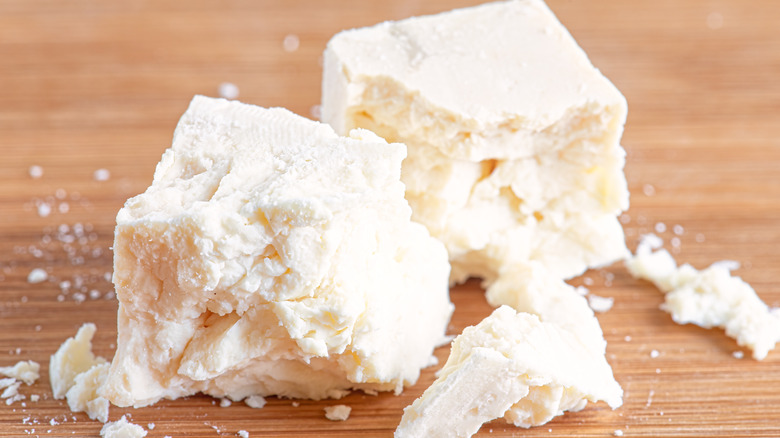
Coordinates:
(90, 84)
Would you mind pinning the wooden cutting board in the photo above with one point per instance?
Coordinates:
(89, 84)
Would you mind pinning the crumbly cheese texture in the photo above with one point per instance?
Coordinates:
(25, 370)
(337, 412)
(710, 298)
(74, 357)
(271, 256)
(122, 429)
(77, 375)
(510, 365)
(513, 135)
(532, 289)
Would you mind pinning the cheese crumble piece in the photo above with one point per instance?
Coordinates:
(513, 135)
(255, 401)
(77, 375)
(26, 370)
(337, 412)
(271, 256)
(72, 358)
(710, 298)
(122, 429)
(510, 365)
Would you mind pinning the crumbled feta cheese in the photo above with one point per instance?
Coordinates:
(37, 275)
(510, 365)
(35, 171)
(255, 401)
(337, 412)
(710, 298)
(101, 175)
(600, 304)
(72, 358)
(122, 429)
(27, 371)
(228, 90)
(291, 43)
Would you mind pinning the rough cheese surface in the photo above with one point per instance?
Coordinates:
(513, 135)
(271, 256)
(77, 375)
(510, 365)
(72, 358)
(710, 298)
(25, 370)
(122, 429)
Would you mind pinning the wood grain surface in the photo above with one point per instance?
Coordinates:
(91, 84)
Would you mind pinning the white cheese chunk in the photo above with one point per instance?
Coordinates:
(83, 395)
(122, 429)
(510, 365)
(531, 289)
(513, 135)
(72, 358)
(26, 370)
(710, 298)
(337, 412)
(271, 256)
(255, 401)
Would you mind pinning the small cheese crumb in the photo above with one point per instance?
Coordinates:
(228, 90)
(316, 112)
(225, 402)
(35, 171)
(729, 265)
(101, 175)
(12, 390)
(295, 404)
(738, 354)
(122, 429)
(617, 432)
(291, 43)
(151, 426)
(37, 275)
(243, 434)
(27, 371)
(255, 401)
(654, 354)
(627, 338)
(44, 209)
(660, 227)
(337, 412)
(600, 304)
(35, 397)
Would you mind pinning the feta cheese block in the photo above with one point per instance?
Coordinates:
(513, 135)
(510, 365)
(271, 256)
(710, 298)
